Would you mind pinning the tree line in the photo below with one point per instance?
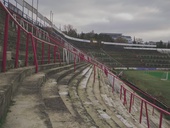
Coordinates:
(70, 31)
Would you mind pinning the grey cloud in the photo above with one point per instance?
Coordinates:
(125, 16)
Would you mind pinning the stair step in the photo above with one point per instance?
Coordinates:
(90, 103)
(77, 104)
(56, 108)
(27, 103)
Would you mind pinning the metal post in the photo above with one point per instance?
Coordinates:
(153, 108)
(141, 109)
(42, 59)
(113, 85)
(125, 102)
(52, 18)
(133, 98)
(35, 53)
(32, 9)
(55, 50)
(94, 73)
(121, 92)
(147, 117)
(37, 11)
(130, 107)
(35, 44)
(50, 15)
(26, 51)
(160, 120)
(23, 8)
(17, 47)
(49, 53)
(5, 42)
(74, 62)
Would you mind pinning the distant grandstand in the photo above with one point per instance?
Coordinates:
(118, 55)
(52, 80)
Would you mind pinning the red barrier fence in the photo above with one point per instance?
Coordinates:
(125, 93)
(144, 104)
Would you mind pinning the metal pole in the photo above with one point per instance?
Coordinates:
(160, 120)
(113, 85)
(141, 109)
(5, 42)
(17, 47)
(121, 92)
(50, 15)
(130, 107)
(55, 50)
(74, 62)
(147, 117)
(94, 73)
(125, 102)
(37, 11)
(52, 18)
(35, 43)
(23, 8)
(32, 9)
(42, 59)
(35, 53)
(26, 51)
(49, 53)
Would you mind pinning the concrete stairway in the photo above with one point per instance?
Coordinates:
(54, 94)
(77, 104)
(27, 97)
(113, 103)
(94, 96)
(59, 97)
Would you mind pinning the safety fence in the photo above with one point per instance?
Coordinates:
(43, 43)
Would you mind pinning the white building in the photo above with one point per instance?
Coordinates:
(128, 38)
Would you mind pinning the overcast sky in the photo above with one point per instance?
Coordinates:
(146, 19)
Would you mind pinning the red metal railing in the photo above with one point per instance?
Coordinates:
(29, 38)
(53, 43)
(144, 103)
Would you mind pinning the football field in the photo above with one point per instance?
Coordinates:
(155, 83)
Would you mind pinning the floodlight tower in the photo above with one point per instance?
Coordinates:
(32, 9)
(37, 11)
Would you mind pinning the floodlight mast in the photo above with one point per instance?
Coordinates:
(32, 9)
(37, 11)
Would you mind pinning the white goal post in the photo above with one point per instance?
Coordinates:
(165, 76)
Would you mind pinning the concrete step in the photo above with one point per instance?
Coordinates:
(27, 100)
(88, 104)
(10, 64)
(113, 103)
(53, 99)
(92, 105)
(93, 91)
(28, 109)
(77, 105)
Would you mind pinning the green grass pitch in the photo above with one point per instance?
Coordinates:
(151, 82)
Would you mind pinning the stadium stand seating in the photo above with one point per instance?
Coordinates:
(66, 94)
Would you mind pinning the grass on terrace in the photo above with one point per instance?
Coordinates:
(150, 82)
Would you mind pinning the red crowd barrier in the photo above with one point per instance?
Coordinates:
(53, 43)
